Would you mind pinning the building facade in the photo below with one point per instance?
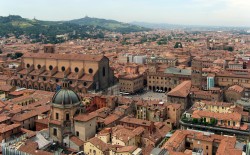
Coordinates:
(131, 83)
(44, 71)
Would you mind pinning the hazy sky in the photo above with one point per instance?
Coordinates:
(191, 12)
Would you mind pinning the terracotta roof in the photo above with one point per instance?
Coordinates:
(99, 144)
(124, 149)
(55, 122)
(42, 109)
(123, 134)
(85, 117)
(2, 104)
(76, 140)
(16, 93)
(4, 127)
(110, 119)
(182, 90)
(31, 148)
(219, 116)
(21, 98)
(6, 87)
(64, 56)
(132, 120)
(4, 118)
(29, 132)
(87, 77)
(236, 88)
(227, 146)
(180, 135)
(24, 116)
(138, 130)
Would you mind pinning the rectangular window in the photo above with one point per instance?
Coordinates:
(55, 132)
(67, 116)
(77, 133)
(57, 116)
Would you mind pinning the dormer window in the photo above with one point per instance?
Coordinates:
(90, 71)
(50, 67)
(76, 69)
(63, 68)
(38, 66)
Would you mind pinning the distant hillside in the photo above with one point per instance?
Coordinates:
(46, 31)
(111, 25)
(157, 25)
(59, 31)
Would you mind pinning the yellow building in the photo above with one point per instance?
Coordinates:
(131, 83)
(95, 146)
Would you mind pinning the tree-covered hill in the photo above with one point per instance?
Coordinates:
(111, 25)
(58, 31)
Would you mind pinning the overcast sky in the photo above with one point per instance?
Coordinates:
(191, 12)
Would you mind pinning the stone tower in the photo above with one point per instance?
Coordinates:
(196, 75)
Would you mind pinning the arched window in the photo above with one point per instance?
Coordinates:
(63, 68)
(28, 65)
(50, 67)
(76, 69)
(38, 66)
(85, 83)
(90, 71)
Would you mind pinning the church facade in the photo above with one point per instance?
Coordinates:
(45, 71)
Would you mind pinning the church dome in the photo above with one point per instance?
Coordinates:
(65, 97)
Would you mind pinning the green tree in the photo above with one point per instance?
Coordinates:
(178, 45)
(230, 49)
(213, 121)
(18, 55)
(195, 121)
